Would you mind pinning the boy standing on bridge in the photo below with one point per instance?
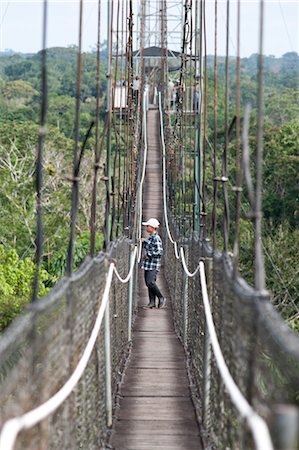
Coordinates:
(151, 263)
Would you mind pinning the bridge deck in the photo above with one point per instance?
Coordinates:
(155, 408)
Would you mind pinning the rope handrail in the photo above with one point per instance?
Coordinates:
(190, 274)
(177, 255)
(128, 277)
(12, 427)
(257, 425)
(140, 187)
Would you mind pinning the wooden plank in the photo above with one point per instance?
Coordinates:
(154, 382)
(155, 410)
(161, 408)
(154, 441)
(161, 427)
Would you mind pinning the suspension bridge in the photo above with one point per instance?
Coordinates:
(89, 366)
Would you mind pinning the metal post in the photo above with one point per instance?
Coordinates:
(108, 112)
(207, 354)
(197, 185)
(108, 367)
(198, 143)
(285, 427)
(130, 295)
(185, 300)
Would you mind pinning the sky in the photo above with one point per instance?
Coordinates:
(21, 25)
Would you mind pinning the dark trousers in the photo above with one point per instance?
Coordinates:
(150, 277)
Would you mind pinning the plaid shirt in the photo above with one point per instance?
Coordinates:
(153, 250)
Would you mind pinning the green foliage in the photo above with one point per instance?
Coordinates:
(16, 278)
(280, 248)
(18, 91)
(281, 173)
(81, 250)
(280, 170)
(19, 118)
(281, 251)
(17, 196)
(281, 107)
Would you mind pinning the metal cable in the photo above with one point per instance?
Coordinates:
(97, 149)
(114, 211)
(141, 182)
(238, 187)
(259, 257)
(75, 181)
(107, 225)
(39, 160)
(215, 182)
(204, 163)
(225, 150)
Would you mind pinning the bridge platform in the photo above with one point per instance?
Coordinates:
(155, 409)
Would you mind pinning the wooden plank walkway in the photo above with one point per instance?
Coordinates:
(155, 409)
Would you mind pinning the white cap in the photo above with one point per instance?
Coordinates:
(152, 223)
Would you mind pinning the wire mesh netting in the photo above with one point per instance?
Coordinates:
(261, 352)
(41, 350)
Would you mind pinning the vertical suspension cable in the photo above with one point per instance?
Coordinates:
(39, 242)
(215, 182)
(120, 204)
(97, 150)
(259, 257)
(130, 115)
(75, 180)
(182, 140)
(192, 117)
(204, 143)
(126, 122)
(168, 93)
(196, 109)
(115, 186)
(139, 134)
(224, 162)
(141, 81)
(238, 187)
(108, 228)
(197, 165)
(163, 85)
(200, 168)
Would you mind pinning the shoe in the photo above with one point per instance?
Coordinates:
(162, 302)
(150, 305)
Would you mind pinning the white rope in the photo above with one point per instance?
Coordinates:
(255, 422)
(12, 427)
(177, 255)
(125, 280)
(257, 425)
(190, 274)
(140, 188)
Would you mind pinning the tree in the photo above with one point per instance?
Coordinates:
(16, 278)
(281, 173)
(18, 92)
